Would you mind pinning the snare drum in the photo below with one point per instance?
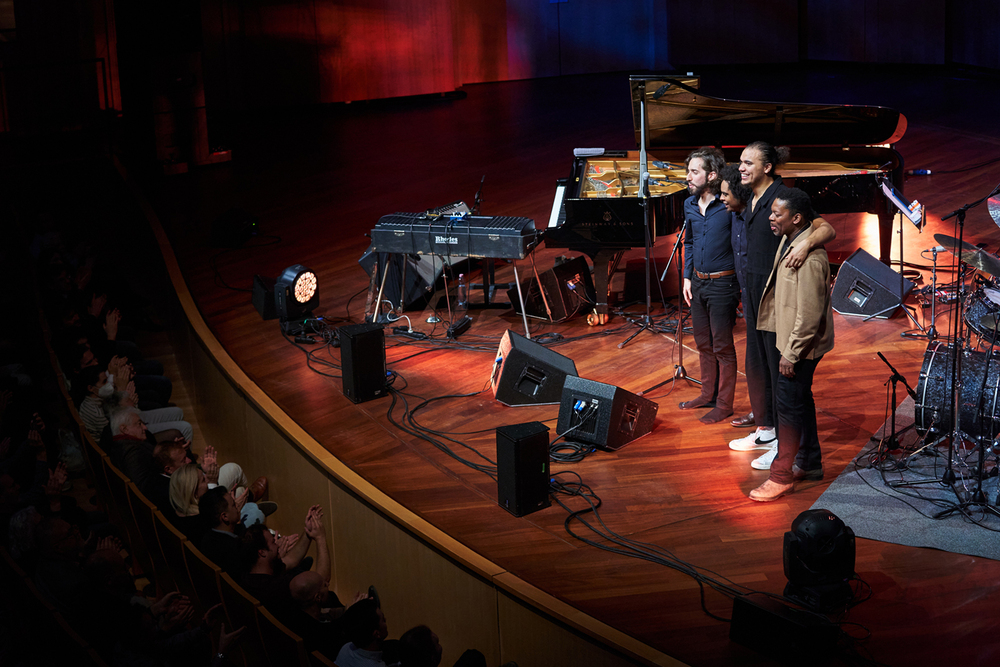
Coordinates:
(933, 411)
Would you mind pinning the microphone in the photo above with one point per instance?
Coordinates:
(661, 90)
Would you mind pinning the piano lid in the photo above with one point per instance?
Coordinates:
(679, 115)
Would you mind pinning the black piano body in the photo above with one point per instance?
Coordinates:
(838, 155)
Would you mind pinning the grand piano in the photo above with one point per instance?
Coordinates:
(838, 153)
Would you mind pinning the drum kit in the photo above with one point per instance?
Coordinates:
(958, 392)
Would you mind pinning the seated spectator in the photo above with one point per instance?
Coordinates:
(318, 614)
(187, 485)
(226, 525)
(172, 456)
(129, 450)
(420, 647)
(99, 398)
(270, 562)
(366, 630)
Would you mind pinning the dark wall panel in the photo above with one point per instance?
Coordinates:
(975, 33)
(718, 32)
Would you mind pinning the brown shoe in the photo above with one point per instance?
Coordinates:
(258, 490)
(745, 420)
(769, 491)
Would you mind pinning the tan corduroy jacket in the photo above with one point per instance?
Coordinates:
(796, 303)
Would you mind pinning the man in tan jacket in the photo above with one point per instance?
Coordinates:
(796, 306)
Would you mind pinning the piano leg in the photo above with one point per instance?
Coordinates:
(604, 263)
(885, 231)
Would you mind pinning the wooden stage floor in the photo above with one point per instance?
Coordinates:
(319, 179)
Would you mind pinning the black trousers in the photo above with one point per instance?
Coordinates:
(713, 316)
(798, 435)
(761, 360)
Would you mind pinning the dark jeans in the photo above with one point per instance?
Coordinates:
(798, 436)
(713, 315)
(761, 360)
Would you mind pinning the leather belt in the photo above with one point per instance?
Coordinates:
(717, 274)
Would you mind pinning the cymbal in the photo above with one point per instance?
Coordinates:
(975, 257)
(953, 244)
(993, 204)
(981, 260)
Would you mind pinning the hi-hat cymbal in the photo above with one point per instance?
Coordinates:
(953, 244)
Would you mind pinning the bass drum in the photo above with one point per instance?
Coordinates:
(984, 301)
(933, 412)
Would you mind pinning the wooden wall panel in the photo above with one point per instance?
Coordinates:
(416, 585)
(836, 30)
(390, 48)
(975, 33)
(717, 32)
(532, 39)
(599, 36)
(479, 32)
(910, 32)
(533, 641)
(279, 65)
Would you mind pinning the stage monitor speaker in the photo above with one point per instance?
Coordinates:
(362, 361)
(263, 297)
(567, 288)
(603, 414)
(866, 286)
(418, 274)
(526, 373)
(523, 467)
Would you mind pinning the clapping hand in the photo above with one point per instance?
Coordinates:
(57, 478)
(210, 464)
(111, 321)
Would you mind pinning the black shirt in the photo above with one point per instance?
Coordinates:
(708, 245)
(762, 244)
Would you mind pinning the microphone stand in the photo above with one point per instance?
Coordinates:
(895, 378)
(679, 371)
(643, 194)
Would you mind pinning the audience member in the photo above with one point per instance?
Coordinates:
(365, 626)
(270, 563)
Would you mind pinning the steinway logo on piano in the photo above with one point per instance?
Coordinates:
(450, 240)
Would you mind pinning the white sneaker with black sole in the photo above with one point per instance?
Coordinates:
(764, 462)
(762, 438)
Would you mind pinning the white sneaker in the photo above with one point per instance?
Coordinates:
(764, 462)
(762, 438)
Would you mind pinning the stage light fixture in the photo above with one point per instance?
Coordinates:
(296, 293)
(819, 560)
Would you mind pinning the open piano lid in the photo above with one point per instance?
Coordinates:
(679, 115)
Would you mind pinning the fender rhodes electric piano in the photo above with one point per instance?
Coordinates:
(837, 154)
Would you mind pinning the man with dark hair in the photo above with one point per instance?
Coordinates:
(270, 563)
(366, 629)
(735, 196)
(758, 164)
(221, 544)
(796, 308)
(710, 285)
